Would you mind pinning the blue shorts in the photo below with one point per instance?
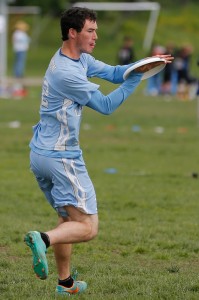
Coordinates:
(64, 182)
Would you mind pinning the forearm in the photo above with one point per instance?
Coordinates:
(113, 74)
(108, 104)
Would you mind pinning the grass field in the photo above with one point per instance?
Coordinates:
(147, 247)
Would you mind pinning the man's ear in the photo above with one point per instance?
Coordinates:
(72, 33)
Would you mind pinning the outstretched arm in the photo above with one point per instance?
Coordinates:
(108, 104)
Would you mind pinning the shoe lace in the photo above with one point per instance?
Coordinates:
(74, 274)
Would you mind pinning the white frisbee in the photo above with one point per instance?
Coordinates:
(153, 70)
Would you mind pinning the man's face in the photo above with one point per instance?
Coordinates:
(86, 39)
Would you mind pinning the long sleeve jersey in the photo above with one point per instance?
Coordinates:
(65, 91)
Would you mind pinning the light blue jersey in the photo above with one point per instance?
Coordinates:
(66, 89)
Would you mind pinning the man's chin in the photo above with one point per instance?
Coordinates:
(88, 51)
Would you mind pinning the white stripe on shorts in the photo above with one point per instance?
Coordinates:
(79, 192)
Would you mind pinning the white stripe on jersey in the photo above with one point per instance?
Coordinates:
(64, 130)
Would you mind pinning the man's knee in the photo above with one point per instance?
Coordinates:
(92, 231)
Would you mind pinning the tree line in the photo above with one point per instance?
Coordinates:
(54, 7)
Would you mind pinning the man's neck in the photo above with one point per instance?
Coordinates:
(69, 50)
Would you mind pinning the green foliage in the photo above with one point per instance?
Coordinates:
(178, 25)
(52, 7)
(180, 21)
(55, 6)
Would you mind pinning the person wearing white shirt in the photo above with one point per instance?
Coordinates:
(21, 42)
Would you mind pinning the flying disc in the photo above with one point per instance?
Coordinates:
(148, 66)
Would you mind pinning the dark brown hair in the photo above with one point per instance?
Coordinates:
(75, 18)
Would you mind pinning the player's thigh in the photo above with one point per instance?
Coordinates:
(73, 214)
(78, 216)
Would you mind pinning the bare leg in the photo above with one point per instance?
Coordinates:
(80, 228)
(62, 254)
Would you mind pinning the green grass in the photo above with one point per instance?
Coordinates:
(147, 247)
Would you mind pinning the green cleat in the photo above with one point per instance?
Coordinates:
(77, 288)
(34, 241)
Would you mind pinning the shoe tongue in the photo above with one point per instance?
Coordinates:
(74, 274)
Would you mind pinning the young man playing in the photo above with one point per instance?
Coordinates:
(56, 157)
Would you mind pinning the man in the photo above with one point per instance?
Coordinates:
(56, 157)
(21, 43)
(126, 52)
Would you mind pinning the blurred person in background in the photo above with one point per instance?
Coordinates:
(187, 84)
(183, 64)
(170, 76)
(154, 83)
(20, 42)
(126, 53)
